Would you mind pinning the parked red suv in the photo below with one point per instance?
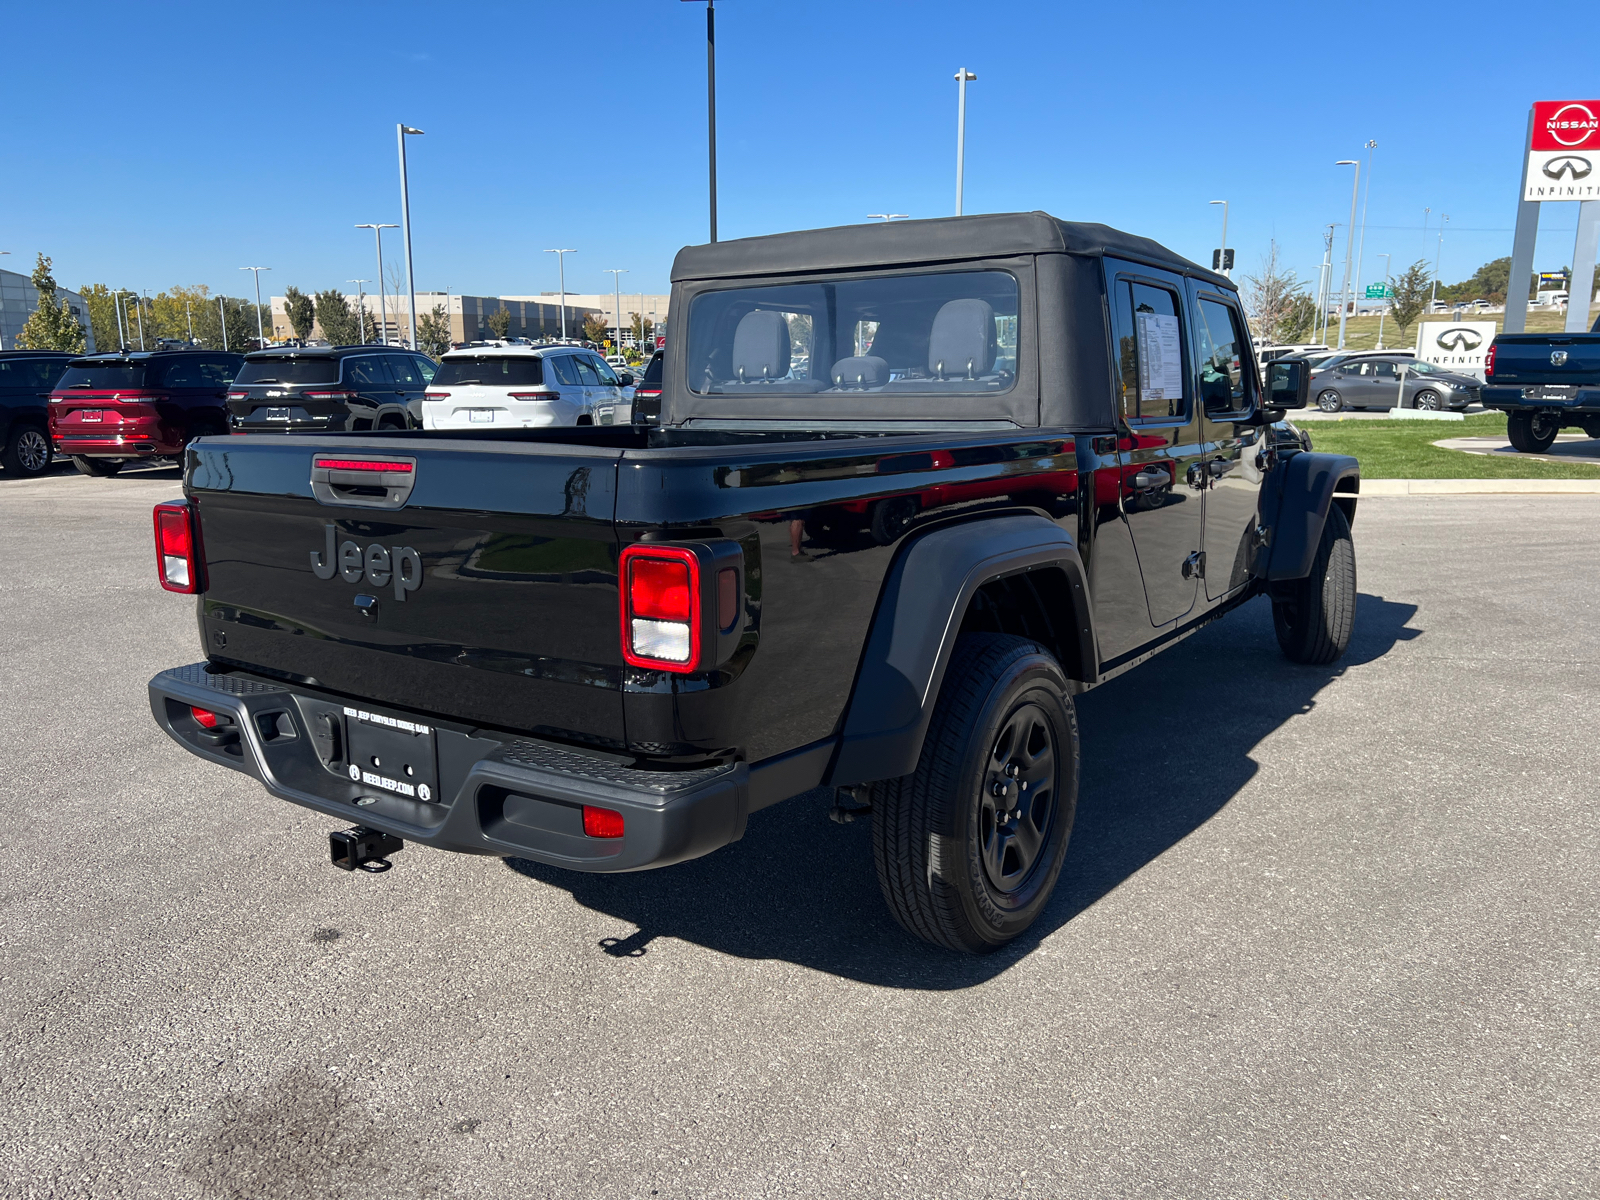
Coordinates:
(108, 409)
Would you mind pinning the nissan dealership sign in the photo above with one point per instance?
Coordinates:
(1565, 151)
(1455, 345)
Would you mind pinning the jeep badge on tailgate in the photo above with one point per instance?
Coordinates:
(376, 564)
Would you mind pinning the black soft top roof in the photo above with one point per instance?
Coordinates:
(944, 239)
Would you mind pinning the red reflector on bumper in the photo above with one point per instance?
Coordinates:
(601, 822)
(206, 717)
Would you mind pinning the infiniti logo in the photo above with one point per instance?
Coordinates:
(1568, 164)
(1459, 339)
(1558, 358)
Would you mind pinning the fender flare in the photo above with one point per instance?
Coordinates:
(1294, 507)
(913, 632)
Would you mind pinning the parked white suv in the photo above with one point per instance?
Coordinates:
(524, 387)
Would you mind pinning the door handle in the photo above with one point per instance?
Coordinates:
(1150, 479)
(1195, 477)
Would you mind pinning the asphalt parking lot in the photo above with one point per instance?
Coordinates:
(1322, 933)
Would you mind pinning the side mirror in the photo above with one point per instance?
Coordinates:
(1288, 383)
(625, 378)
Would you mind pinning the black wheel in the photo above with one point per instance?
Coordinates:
(98, 467)
(1591, 426)
(1532, 433)
(1426, 398)
(391, 422)
(892, 517)
(1314, 616)
(1330, 401)
(26, 452)
(968, 848)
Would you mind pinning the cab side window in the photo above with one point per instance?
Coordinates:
(1150, 362)
(1227, 376)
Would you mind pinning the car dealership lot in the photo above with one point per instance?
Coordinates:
(1323, 932)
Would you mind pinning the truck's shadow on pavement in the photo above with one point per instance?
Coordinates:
(1166, 746)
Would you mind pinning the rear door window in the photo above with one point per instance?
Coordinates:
(29, 374)
(182, 373)
(565, 367)
(1150, 357)
(587, 375)
(404, 370)
(218, 372)
(366, 371)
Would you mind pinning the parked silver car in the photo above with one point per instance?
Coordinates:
(1373, 381)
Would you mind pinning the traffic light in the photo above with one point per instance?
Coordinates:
(1222, 260)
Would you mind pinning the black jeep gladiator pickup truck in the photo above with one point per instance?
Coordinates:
(1542, 382)
(913, 487)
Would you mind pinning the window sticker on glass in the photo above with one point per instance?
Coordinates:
(1160, 359)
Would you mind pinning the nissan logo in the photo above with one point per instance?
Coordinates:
(1585, 124)
(1558, 358)
(1459, 339)
(1568, 164)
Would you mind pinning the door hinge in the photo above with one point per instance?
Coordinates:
(1194, 567)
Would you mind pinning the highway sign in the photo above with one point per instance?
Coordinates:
(1379, 291)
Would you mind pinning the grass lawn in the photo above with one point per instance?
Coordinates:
(1361, 333)
(1404, 450)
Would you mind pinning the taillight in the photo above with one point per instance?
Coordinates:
(660, 607)
(436, 395)
(533, 395)
(1488, 362)
(238, 395)
(177, 547)
(382, 466)
(645, 390)
(341, 396)
(601, 822)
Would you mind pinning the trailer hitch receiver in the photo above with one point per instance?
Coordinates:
(360, 848)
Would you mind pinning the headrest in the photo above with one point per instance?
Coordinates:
(864, 371)
(760, 347)
(962, 344)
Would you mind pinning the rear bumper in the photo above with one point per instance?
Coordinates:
(128, 438)
(497, 794)
(1511, 399)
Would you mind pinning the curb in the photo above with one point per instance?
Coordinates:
(1480, 487)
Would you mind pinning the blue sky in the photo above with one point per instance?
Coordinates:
(174, 143)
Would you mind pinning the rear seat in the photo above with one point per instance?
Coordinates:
(761, 354)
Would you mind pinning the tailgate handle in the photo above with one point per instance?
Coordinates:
(380, 481)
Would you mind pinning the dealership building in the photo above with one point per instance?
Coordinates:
(18, 299)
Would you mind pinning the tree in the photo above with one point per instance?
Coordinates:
(1410, 295)
(102, 305)
(433, 332)
(337, 318)
(641, 327)
(1271, 295)
(1300, 320)
(499, 322)
(301, 311)
(51, 326)
(595, 326)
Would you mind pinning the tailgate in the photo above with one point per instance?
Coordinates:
(489, 595)
(1553, 358)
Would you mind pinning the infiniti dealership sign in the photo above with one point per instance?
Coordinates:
(1455, 345)
(1565, 151)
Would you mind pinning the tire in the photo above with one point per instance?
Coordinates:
(391, 422)
(99, 468)
(1427, 399)
(1313, 617)
(26, 452)
(1532, 432)
(951, 872)
(891, 518)
(1330, 401)
(1591, 426)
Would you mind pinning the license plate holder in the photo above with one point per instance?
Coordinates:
(278, 414)
(480, 414)
(1553, 392)
(92, 414)
(395, 756)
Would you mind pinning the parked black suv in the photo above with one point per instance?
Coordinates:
(26, 378)
(330, 388)
(647, 395)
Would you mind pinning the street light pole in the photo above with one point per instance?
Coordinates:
(261, 333)
(222, 315)
(1349, 244)
(1433, 296)
(561, 267)
(1366, 199)
(1325, 283)
(616, 284)
(361, 308)
(1384, 311)
(383, 313)
(401, 132)
(188, 319)
(1222, 259)
(963, 77)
